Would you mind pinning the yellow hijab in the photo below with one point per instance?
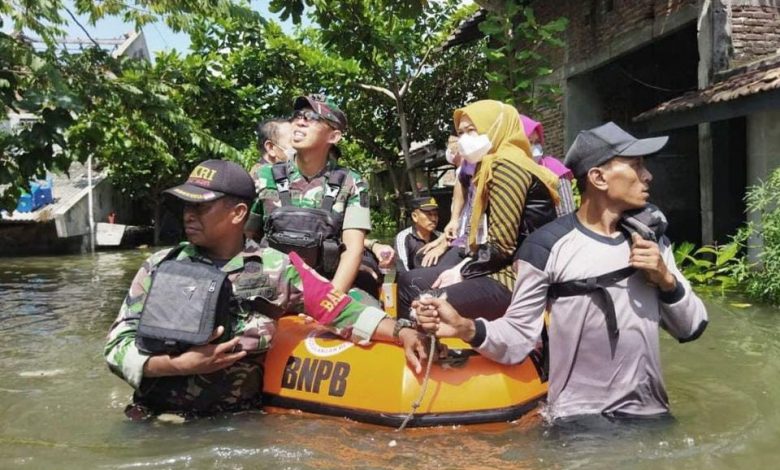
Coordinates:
(501, 123)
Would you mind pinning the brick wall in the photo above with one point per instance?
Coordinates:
(593, 24)
(755, 33)
(551, 117)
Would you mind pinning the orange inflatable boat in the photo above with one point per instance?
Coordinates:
(311, 370)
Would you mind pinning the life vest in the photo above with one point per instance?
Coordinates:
(650, 223)
(313, 233)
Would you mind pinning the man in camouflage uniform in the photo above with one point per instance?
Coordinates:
(318, 125)
(226, 376)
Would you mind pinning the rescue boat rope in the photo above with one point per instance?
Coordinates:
(424, 387)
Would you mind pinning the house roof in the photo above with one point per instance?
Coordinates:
(740, 83)
(131, 44)
(467, 31)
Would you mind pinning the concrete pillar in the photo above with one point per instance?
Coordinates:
(763, 156)
(706, 162)
(763, 144)
(582, 105)
(714, 38)
(705, 38)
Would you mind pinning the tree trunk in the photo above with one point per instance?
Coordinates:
(157, 222)
(397, 187)
(405, 144)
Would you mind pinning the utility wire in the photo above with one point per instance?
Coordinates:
(649, 85)
(154, 25)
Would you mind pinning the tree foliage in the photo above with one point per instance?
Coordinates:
(760, 275)
(404, 77)
(90, 103)
(294, 8)
(517, 52)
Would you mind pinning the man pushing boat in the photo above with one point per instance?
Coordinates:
(192, 331)
(607, 275)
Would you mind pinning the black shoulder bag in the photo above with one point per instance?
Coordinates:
(186, 302)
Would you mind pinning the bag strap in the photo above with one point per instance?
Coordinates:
(173, 254)
(335, 182)
(263, 303)
(594, 284)
(279, 171)
(650, 223)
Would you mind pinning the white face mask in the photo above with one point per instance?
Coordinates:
(449, 156)
(473, 147)
(536, 151)
(289, 153)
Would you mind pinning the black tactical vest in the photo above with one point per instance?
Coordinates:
(313, 233)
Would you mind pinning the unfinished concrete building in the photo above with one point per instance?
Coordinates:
(704, 72)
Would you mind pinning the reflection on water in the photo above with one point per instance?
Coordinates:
(61, 408)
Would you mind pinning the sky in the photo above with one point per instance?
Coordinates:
(158, 36)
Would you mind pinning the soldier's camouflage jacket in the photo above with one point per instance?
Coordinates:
(351, 202)
(274, 279)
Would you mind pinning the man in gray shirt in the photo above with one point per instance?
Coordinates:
(603, 342)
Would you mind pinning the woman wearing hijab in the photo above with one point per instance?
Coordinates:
(510, 196)
(535, 132)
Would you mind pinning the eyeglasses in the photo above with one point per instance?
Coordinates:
(277, 145)
(309, 115)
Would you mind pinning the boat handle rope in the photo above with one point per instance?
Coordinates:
(424, 387)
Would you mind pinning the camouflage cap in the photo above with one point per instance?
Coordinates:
(324, 107)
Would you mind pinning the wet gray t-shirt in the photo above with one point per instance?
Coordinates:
(590, 371)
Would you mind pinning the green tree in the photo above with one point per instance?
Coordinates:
(31, 81)
(518, 50)
(237, 74)
(295, 8)
(60, 89)
(397, 47)
(133, 128)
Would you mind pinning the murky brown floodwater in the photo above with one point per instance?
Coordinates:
(61, 408)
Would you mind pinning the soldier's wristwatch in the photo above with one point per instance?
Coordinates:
(399, 324)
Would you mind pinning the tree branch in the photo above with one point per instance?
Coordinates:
(378, 89)
(408, 83)
(75, 20)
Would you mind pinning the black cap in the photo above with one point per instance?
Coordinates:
(596, 146)
(213, 179)
(424, 203)
(324, 107)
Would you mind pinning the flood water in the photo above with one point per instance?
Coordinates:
(60, 407)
